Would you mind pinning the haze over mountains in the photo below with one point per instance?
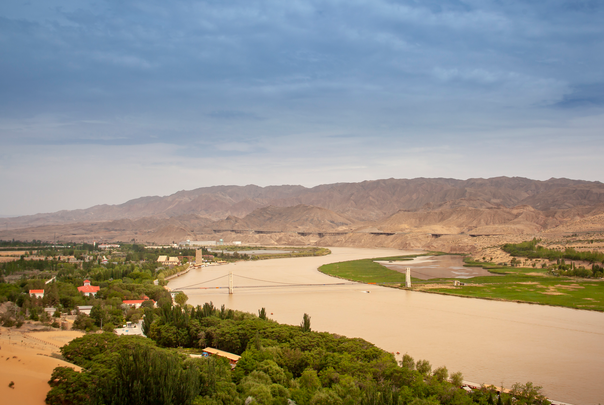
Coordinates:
(291, 214)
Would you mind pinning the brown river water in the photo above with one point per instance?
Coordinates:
(491, 342)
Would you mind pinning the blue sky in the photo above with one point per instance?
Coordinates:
(104, 101)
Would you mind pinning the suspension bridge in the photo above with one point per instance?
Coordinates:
(204, 285)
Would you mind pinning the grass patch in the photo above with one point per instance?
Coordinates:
(529, 285)
(367, 271)
(553, 291)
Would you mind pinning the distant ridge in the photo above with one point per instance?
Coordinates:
(483, 206)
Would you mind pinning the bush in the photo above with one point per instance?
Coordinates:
(85, 323)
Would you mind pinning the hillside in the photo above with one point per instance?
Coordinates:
(364, 201)
(392, 212)
(288, 219)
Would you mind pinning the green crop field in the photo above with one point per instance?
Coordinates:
(366, 271)
(512, 284)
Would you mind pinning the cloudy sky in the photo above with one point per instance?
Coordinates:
(107, 100)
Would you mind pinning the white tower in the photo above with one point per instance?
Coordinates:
(408, 279)
(231, 282)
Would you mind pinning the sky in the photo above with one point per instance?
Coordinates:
(108, 100)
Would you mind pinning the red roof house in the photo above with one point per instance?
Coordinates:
(36, 293)
(88, 289)
(136, 303)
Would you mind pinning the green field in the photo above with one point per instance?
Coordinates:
(513, 284)
(366, 271)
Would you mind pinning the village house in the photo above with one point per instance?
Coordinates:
(137, 303)
(233, 358)
(168, 261)
(84, 309)
(36, 293)
(88, 289)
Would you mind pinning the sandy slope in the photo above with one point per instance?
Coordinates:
(25, 360)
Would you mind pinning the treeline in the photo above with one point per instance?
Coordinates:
(532, 250)
(18, 243)
(123, 370)
(280, 364)
(16, 266)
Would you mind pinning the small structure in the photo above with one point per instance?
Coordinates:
(137, 303)
(190, 243)
(88, 289)
(84, 309)
(50, 311)
(168, 261)
(408, 278)
(233, 358)
(106, 246)
(36, 293)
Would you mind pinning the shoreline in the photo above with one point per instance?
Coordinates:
(482, 339)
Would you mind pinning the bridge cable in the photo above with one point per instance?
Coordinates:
(255, 279)
(203, 282)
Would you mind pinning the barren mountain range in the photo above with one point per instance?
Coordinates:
(392, 212)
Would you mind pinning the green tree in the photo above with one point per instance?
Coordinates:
(407, 362)
(424, 367)
(181, 298)
(305, 324)
(144, 375)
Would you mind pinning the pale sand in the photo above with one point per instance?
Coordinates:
(25, 360)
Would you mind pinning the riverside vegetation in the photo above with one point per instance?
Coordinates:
(129, 274)
(280, 364)
(556, 284)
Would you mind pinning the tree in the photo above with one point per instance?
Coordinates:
(149, 376)
(148, 320)
(407, 362)
(424, 367)
(305, 324)
(441, 374)
(528, 393)
(99, 315)
(84, 322)
(262, 313)
(457, 379)
(181, 298)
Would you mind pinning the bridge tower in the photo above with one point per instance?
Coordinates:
(231, 282)
(408, 278)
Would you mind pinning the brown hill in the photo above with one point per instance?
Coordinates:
(432, 206)
(301, 218)
(368, 200)
(478, 217)
(462, 219)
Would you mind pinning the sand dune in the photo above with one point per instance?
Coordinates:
(25, 359)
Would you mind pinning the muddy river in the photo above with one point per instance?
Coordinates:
(488, 341)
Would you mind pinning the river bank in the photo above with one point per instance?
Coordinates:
(491, 342)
